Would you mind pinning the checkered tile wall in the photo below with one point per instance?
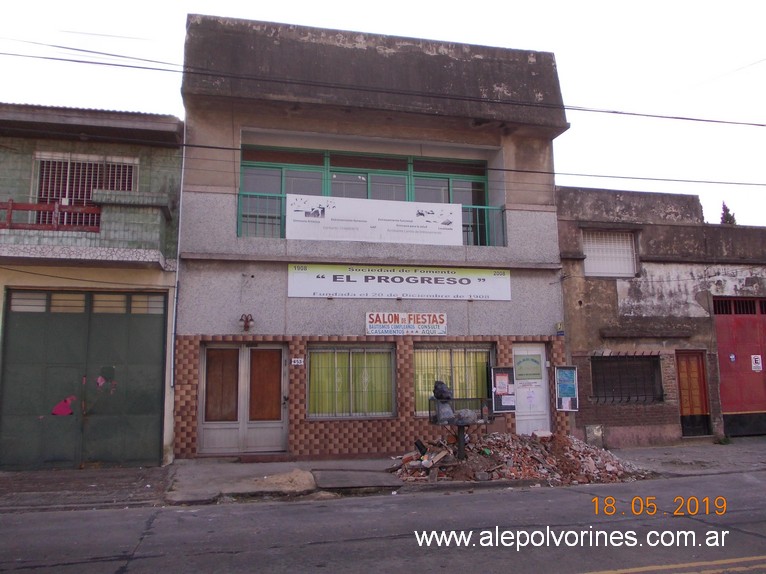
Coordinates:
(329, 438)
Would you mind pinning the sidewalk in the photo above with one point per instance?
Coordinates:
(694, 457)
(207, 481)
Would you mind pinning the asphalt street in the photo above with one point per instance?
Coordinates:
(698, 523)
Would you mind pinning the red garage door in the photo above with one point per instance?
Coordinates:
(741, 332)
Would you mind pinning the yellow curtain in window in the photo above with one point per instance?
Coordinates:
(464, 371)
(350, 382)
(371, 383)
(328, 383)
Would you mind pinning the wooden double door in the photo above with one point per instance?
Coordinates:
(244, 401)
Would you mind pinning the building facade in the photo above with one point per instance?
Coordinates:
(362, 215)
(664, 317)
(88, 254)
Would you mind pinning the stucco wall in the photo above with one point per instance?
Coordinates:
(213, 296)
(302, 64)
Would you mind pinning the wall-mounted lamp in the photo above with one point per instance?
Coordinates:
(246, 320)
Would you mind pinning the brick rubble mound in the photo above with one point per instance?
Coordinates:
(557, 460)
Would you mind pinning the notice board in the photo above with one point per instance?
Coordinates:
(503, 390)
(566, 389)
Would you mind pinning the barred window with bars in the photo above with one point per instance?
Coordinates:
(70, 179)
(350, 382)
(737, 306)
(626, 379)
(609, 253)
(465, 370)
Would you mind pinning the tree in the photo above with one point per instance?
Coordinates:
(727, 216)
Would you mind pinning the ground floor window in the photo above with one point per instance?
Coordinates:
(351, 382)
(626, 379)
(465, 370)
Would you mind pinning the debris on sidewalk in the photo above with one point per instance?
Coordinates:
(553, 458)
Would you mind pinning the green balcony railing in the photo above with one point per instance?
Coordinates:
(263, 215)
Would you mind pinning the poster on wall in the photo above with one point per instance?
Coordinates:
(404, 323)
(322, 218)
(395, 282)
(503, 390)
(566, 388)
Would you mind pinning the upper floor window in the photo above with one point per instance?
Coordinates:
(268, 175)
(70, 179)
(609, 253)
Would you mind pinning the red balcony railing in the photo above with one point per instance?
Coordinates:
(49, 216)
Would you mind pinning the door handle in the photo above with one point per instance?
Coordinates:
(285, 400)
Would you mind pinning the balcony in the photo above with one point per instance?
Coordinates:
(263, 215)
(132, 230)
(50, 217)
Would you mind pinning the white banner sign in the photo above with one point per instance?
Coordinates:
(392, 323)
(345, 219)
(381, 282)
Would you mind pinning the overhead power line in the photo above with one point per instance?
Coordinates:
(138, 141)
(177, 68)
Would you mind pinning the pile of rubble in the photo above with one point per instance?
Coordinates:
(553, 459)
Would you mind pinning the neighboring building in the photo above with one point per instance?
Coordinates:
(362, 215)
(665, 317)
(88, 253)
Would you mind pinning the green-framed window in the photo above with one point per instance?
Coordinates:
(465, 370)
(268, 175)
(351, 382)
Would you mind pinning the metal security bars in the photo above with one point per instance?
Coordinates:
(634, 379)
(609, 253)
(351, 382)
(69, 181)
(736, 306)
(465, 370)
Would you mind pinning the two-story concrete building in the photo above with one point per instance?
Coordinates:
(362, 215)
(88, 257)
(664, 317)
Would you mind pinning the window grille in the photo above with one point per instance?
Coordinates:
(736, 306)
(111, 303)
(29, 302)
(147, 304)
(626, 379)
(350, 382)
(465, 370)
(67, 303)
(70, 180)
(609, 253)
(744, 307)
(722, 306)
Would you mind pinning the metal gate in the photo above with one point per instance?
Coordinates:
(82, 379)
(740, 326)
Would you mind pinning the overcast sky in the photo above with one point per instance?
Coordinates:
(694, 59)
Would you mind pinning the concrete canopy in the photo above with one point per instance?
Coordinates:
(252, 60)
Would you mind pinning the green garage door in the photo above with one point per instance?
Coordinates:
(82, 379)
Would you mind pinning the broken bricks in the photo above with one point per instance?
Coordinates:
(554, 459)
